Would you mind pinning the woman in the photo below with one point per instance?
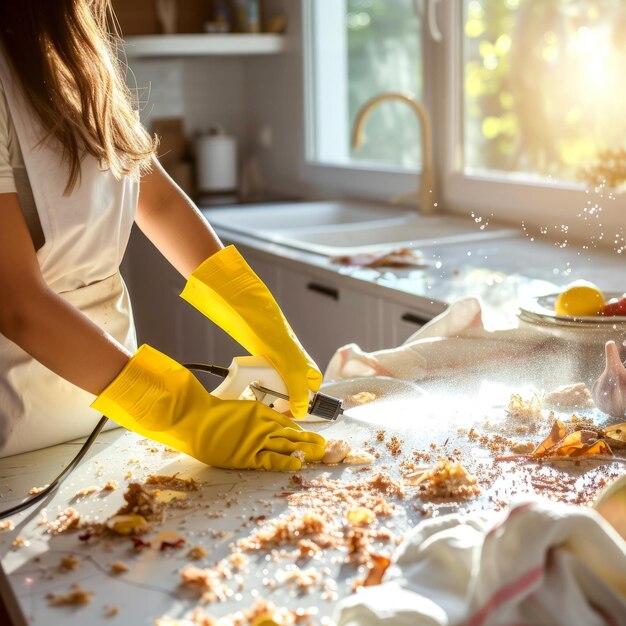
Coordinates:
(76, 168)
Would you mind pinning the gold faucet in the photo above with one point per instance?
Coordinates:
(426, 193)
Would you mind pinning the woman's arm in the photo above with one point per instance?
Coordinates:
(43, 324)
(172, 222)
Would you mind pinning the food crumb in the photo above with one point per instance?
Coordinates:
(86, 491)
(20, 542)
(69, 563)
(336, 451)
(119, 567)
(197, 552)
(77, 596)
(522, 447)
(447, 479)
(575, 396)
(111, 611)
(111, 485)
(35, 490)
(173, 482)
(529, 409)
(363, 397)
(6, 525)
(299, 454)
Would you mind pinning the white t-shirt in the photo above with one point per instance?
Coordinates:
(13, 175)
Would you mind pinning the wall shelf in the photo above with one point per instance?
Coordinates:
(188, 45)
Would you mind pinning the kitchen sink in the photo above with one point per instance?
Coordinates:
(338, 228)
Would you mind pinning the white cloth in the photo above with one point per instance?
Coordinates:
(453, 340)
(536, 563)
(86, 234)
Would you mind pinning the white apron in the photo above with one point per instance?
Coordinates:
(86, 234)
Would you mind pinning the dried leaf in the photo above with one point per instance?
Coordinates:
(616, 435)
(574, 443)
(579, 443)
(616, 444)
(599, 447)
(558, 432)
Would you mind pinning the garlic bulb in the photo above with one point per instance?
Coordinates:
(609, 391)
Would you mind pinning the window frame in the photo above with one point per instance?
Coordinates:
(533, 203)
(375, 182)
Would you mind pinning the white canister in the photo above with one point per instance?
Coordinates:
(216, 162)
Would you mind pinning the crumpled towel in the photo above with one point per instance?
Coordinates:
(536, 563)
(453, 340)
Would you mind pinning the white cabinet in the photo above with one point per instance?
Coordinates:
(325, 315)
(399, 322)
(162, 318)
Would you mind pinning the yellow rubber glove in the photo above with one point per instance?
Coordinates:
(160, 399)
(226, 290)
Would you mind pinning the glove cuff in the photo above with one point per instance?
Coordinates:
(138, 387)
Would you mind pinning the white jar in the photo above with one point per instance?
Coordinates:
(216, 162)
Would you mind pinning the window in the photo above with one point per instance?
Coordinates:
(522, 94)
(361, 48)
(543, 84)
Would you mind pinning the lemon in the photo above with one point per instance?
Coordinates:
(580, 300)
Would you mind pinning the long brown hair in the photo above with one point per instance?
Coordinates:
(64, 53)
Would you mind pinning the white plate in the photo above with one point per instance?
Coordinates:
(541, 311)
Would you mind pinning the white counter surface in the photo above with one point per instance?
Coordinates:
(503, 271)
(500, 271)
(231, 504)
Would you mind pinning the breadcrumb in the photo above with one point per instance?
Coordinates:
(336, 450)
(69, 563)
(35, 490)
(447, 479)
(575, 396)
(77, 596)
(86, 491)
(69, 519)
(197, 552)
(363, 397)
(20, 542)
(173, 482)
(119, 567)
(6, 525)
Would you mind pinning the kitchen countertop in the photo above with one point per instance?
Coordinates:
(230, 505)
(432, 417)
(502, 271)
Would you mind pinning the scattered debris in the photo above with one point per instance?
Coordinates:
(69, 563)
(119, 567)
(77, 596)
(447, 479)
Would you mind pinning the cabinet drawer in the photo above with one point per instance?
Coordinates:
(399, 322)
(325, 315)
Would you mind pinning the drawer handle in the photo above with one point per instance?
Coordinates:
(328, 292)
(418, 320)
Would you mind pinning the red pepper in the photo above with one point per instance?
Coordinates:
(615, 308)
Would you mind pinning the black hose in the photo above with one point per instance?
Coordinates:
(217, 370)
(57, 481)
